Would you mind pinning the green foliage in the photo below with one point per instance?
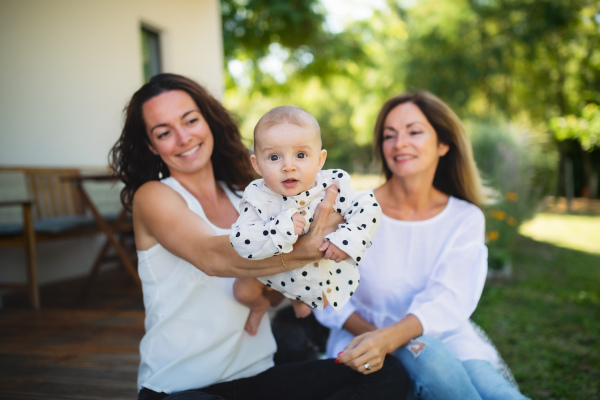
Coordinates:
(584, 129)
(288, 33)
(516, 169)
(525, 61)
(534, 59)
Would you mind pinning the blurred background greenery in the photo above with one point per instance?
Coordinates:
(524, 76)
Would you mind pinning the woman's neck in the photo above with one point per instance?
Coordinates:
(201, 184)
(211, 196)
(410, 200)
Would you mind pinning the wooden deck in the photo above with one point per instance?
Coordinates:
(69, 349)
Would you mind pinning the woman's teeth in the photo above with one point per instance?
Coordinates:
(190, 152)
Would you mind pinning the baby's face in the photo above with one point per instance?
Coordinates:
(288, 157)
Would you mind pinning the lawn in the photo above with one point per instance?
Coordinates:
(545, 318)
(578, 232)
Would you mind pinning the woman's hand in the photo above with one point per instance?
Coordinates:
(324, 222)
(366, 350)
(372, 346)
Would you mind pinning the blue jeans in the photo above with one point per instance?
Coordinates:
(437, 375)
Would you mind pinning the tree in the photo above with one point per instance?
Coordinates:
(585, 130)
(289, 34)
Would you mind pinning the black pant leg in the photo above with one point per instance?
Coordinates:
(318, 379)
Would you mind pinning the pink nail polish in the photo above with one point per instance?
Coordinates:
(337, 361)
(340, 353)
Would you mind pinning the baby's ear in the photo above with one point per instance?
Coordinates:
(254, 162)
(322, 158)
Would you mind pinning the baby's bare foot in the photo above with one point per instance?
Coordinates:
(301, 309)
(253, 321)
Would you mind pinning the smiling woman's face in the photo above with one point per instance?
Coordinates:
(178, 132)
(410, 144)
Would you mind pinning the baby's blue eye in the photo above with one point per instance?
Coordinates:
(273, 157)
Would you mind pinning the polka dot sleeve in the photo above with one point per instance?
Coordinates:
(255, 238)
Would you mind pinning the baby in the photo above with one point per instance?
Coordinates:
(278, 208)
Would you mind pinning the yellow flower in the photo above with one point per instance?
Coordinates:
(493, 235)
(497, 214)
(512, 196)
(511, 221)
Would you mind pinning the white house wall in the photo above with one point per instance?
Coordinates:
(68, 67)
(67, 70)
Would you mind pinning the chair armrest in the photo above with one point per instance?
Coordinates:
(10, 203)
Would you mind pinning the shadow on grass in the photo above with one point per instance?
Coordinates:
(545, 320)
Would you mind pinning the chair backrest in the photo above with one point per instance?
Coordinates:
(52, 192)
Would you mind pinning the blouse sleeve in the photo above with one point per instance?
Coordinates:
(255, 238)
(454, 288)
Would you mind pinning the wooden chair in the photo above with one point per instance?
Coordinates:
(52, 207)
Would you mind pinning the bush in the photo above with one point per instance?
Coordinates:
(518, 167)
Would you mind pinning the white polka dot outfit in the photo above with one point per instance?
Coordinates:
(265, 229)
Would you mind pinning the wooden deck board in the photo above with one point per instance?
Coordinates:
(68, 350)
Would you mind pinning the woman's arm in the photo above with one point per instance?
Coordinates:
(162, 215)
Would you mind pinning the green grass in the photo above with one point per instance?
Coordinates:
(545, 319)
(577, 232)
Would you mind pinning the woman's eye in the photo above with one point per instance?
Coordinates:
(301, 155)
(162, 134)
(387, 136)
(192, 121)
(415, 132)
(273, 157)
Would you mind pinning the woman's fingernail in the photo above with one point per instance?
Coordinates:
(337, 361)
(340, 353)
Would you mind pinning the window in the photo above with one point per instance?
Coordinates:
(150, 53)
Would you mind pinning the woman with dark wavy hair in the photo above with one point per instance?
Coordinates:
(422, 278)
(183, 163)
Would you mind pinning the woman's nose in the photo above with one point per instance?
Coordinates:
(183, 136)
(401, 140)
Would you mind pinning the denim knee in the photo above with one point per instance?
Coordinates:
(490, 383)
(435, 372)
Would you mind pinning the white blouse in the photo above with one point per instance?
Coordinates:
(434, 269)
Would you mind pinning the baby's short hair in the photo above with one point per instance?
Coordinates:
(290, 114)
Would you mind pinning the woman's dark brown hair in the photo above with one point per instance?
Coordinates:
(134, 163)
(456, 173)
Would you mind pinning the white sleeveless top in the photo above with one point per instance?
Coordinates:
(194, 327)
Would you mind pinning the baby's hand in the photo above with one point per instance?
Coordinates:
(332, 252)
(299, 223)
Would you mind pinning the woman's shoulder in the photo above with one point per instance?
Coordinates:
(464, 211)
(153, 193)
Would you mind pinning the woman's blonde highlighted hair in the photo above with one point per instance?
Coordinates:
(456, 173)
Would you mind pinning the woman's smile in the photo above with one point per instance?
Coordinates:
(191, 151)
(404, 157)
